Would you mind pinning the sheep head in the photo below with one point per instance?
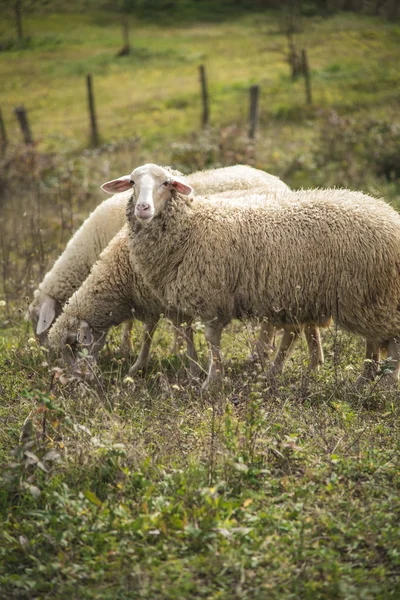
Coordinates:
(152, 187)
(42, 311)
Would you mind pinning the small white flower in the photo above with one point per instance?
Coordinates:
(32, 342)
(2, 303)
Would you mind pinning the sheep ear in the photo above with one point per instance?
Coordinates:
(46, 315)
(117, 185)
(85, 334)
(181, 187)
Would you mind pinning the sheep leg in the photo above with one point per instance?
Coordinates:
(266, 340)
(394, 355)
(289, 338)
(187, 334)
(213, 334)
(371, 363)
(179, 339)
(315, 351)
(125, 346)
(142, 360)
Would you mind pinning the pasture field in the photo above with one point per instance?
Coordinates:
(154, 92)
(148, 488)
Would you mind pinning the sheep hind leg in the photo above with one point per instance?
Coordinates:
(187, 334)
(315, 351)
(266, 340)
(125, 346)
(213, 336)
(290, 335)
(143, 358)
(394, 356)
(371, 363)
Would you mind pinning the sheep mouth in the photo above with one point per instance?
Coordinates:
(144, 217)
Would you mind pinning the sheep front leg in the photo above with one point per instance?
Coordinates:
(213, 334)
(290, 335)
(315, 351)
(371, 363)
(143, 358)
(125, 346)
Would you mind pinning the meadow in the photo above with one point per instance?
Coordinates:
(147, 487)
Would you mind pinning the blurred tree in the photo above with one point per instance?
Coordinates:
(19, 8)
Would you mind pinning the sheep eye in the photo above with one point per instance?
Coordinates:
(132, 182)
(166, 183)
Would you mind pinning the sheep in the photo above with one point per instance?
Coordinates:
(73, 266)
(327, 253)
(112, 293)
(83, 249)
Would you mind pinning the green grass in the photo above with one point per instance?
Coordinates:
(148, 489)
(353, 62)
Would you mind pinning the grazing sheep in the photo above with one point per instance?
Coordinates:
(83, 249)
(112, 293)
(115, 290)
(74, 264)
(326, 253)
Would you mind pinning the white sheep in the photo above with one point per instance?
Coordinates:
(83, 249)
(326, 253)
(112, 293)
(74, 264)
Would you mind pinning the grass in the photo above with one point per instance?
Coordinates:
(353, 63)
(148, 488)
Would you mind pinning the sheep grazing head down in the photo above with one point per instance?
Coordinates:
(152, 187)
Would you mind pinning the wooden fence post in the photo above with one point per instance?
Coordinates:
(94, 134)
(3, 133)
(307, 78)
(204, 95)
(24, 124)
(254, 112)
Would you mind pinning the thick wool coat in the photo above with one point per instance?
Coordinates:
(314, 254)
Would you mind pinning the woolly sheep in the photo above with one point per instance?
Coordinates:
(114, 291)
(328, 253)
(73, 266)
(83, 249)
(111, 294)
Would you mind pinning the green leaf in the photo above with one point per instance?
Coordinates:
(91, 496)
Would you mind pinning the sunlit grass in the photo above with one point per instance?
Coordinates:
(155, 89)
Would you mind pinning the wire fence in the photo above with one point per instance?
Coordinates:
(95, 119)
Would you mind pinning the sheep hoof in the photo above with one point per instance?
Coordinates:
(136, 367)
(195, 371)
(125, 347)
(274, 371)
(213, 381)
(316, 362)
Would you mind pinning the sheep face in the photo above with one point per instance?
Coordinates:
(78, 336)
(152, 186)
(42, 311)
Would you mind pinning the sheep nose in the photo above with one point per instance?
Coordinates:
(142, 207)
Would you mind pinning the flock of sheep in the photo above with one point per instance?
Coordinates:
(221, 244)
